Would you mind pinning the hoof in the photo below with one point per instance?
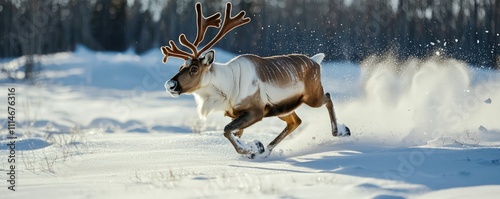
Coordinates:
(260, 146)
(251, 156)
(261, 151)
(348, 131)
(342, 131)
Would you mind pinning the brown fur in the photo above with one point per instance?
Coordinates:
(292, 122)
(188, 80)
(284, 69)
(283, 107)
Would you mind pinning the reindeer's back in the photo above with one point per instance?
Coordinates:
(285, 69)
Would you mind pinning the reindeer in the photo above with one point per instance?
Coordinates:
(247, 88)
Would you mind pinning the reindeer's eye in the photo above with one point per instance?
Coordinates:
(193, 69)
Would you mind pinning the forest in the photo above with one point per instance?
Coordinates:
(345, 30)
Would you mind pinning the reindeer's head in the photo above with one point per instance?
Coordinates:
(190, 75)
(196, 65)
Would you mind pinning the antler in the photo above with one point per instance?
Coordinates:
(229, 24)
(173, 51)
(203, 23)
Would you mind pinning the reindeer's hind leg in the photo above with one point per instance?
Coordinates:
(333, 118)
(326, 100)
(292, 122)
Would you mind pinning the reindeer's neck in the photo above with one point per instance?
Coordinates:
(223, 78)
(217, 94)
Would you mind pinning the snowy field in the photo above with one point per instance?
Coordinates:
(100, 125)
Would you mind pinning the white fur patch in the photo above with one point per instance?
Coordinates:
(272, 94)
(209, 99)
(226, 85)
(249, 147)
(318, 58)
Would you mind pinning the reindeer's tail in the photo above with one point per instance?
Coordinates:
(318, 58)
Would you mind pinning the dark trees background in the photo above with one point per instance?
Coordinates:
(109, 24)
(344, 30)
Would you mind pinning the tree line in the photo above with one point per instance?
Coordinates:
(344, 30)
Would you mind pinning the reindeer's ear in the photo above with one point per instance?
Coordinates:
(208, 58)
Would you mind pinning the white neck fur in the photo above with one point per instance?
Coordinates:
(217, 91)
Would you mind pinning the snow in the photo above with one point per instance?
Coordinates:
(100, 125)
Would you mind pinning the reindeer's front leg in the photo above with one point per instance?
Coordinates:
(244, 120)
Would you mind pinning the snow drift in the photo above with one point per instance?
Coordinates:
(416, 101)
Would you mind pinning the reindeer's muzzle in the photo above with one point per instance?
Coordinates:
(173, 88)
